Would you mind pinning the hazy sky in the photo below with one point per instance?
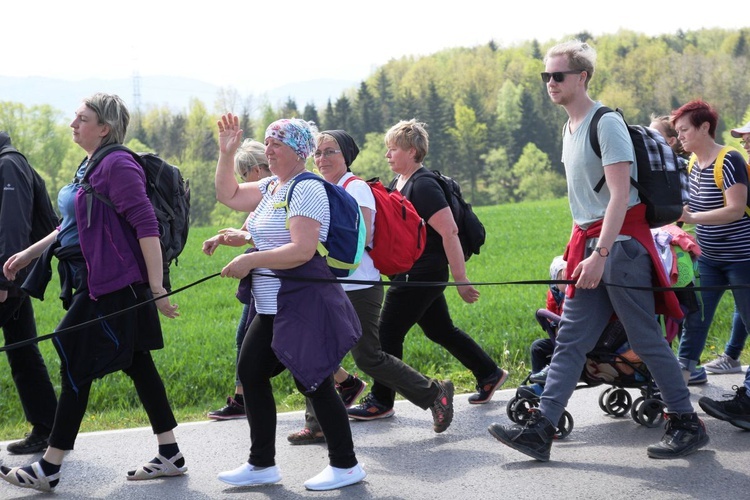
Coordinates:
(255, 46)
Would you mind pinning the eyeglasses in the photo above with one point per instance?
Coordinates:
(326, 154)
(559, 76)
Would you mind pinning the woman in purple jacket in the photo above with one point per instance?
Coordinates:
(110, 260)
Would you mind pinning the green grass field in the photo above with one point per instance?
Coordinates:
(197, 364)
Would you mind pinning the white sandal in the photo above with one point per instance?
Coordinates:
(19, 477)
(151, 470)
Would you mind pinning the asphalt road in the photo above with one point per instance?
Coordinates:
(603, 457)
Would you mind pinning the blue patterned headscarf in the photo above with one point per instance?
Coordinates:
(295, 133)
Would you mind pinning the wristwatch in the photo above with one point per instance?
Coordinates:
(602, 251)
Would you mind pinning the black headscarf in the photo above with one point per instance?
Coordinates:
(348, 147)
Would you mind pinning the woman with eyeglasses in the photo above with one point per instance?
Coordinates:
(250, 165)
(718, 208)
(110, 260)
(335, 152)
(306, 327)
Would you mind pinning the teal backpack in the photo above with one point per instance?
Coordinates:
(345, 244)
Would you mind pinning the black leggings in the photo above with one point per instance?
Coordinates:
(426, 306)
(148, 384)
(257, 365)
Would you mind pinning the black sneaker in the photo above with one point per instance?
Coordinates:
(736, 411)
(351, 389)
(369, 409)
(534, 438)
(32, 443)
(486, 389)
(685, 434)
(231, 411)
(539, 377)
(442, 408)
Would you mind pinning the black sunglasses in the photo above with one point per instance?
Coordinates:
(559, 76)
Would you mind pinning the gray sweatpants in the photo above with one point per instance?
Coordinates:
(587, 313)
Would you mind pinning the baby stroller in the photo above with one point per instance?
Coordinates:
(611, 362)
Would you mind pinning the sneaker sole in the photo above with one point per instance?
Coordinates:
(26, 451)
(387, 414)
(687, 451)
(698, 382)
(499, 384)
(723, 371)
(222, 417)
(499, 434)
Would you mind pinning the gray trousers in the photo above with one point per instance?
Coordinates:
(587, 313)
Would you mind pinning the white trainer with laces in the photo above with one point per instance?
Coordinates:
(723, 364)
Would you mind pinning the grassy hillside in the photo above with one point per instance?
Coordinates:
(197, 363)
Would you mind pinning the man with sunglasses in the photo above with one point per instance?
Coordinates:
(611, 244)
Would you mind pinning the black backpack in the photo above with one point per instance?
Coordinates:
(471, 231)
(44, 219)
(169, 194)
(659, 171)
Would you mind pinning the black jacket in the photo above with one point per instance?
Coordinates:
(16, 203)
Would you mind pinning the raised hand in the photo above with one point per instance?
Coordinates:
(230, 133)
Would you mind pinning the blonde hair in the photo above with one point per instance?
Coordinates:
(250, 154)
(408, 134)
(580, 55)
(110, 110)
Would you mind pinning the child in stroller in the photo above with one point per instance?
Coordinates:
(611, 362)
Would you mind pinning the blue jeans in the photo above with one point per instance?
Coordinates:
(713, 273)
(736, 342)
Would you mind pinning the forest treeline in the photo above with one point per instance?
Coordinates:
(491, 123)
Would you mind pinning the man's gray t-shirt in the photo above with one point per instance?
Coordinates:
(584, 170)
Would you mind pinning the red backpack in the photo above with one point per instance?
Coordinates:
(401, 233)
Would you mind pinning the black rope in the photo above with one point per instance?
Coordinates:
(493, 283)
(24, 343)
(399, 283)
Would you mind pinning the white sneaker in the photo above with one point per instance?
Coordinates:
(247, 475)
(723, 364)
(333, 477)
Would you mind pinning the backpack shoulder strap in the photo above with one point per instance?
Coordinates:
(101, 153)
(293, 183)
(593, 126)
(719, 167)
(719, 174)
(10, 149)
(350, 179)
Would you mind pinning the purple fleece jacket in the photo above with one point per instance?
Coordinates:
(109, 238)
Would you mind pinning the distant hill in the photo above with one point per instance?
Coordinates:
(174, 92)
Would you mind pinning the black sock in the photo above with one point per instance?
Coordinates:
(47, 468)
(167, 451)
(239, 399)
(348, 382)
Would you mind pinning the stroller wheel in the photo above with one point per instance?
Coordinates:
(651, 413)
(564, 426)
(618, 402)
(636, 406)
(510, 409)
(519, 411)
(603, 397)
